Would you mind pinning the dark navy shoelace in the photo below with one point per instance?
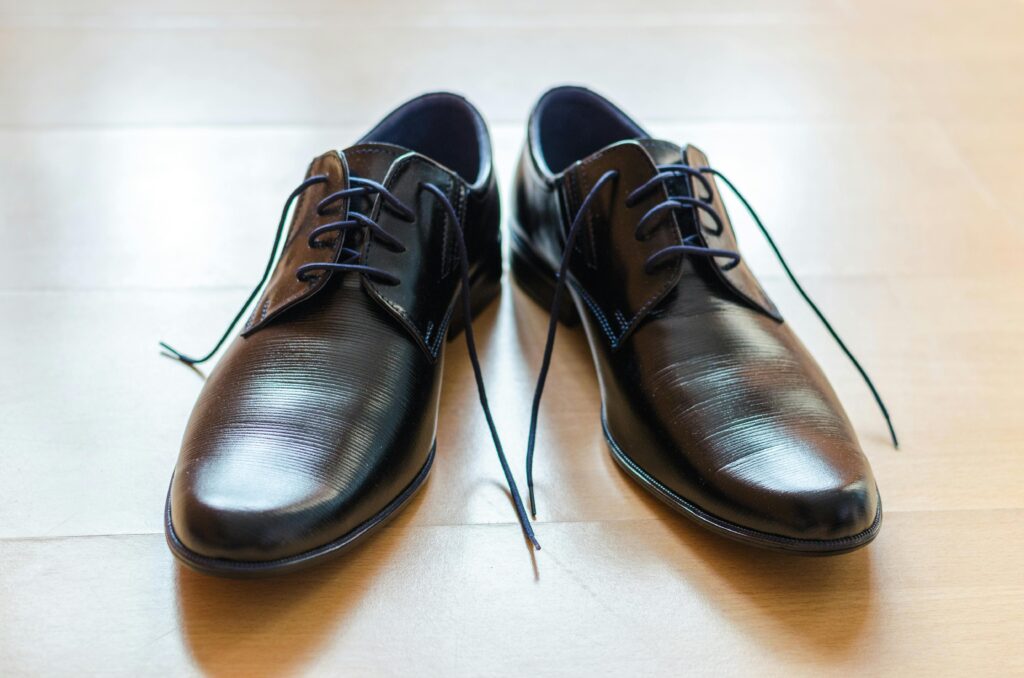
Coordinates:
(358, 187)
(524, 521)
(349, 261)
(689, 247)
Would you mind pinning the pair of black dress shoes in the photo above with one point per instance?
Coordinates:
(318, 423)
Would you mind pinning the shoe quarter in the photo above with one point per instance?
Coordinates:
(607, 264)
(538, 214)
(428, 268)
(739, 279)
(284, 289)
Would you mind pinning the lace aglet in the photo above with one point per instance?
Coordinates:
(533, 503)
(524, 522)
(892, 433)
(528, 532)
(172, 353)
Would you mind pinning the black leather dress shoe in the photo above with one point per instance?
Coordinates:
(318, 423)
(709, 400)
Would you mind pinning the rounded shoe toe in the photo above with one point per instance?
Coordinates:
(230, 514)
(833, 514)
(839, 513)
(803, 494)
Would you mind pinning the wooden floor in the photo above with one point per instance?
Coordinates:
(144, 155)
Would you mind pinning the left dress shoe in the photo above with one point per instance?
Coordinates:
(319, 421)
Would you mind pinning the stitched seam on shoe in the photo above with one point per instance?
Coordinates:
(590, 253)
(435, 349)
(598, 313)
(396, 169)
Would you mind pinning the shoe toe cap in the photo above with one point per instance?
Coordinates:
(801, 492)
(241, 514)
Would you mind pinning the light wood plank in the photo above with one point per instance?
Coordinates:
(909, 334)
(471, 601)
(196, 208)
(144, 153)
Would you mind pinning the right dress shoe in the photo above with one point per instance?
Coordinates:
(319, 421)
(709, 400)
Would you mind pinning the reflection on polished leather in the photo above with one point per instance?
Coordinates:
(709, 400)
(318, 423)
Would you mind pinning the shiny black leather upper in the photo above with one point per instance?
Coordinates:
(324, 409)
(704, 386)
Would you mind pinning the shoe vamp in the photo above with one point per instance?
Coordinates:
(329, 410)
(729, 401)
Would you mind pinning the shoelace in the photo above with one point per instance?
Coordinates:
(362, 187)
(689, 247)
(453, 218)
(357, 220)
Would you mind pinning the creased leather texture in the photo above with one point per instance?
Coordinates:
(304, 430)
(711, 397)
(430, 262)
(320, 416)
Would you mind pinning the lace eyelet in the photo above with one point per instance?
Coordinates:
(318, 244)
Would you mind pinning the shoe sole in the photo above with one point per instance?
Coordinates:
(533, 276)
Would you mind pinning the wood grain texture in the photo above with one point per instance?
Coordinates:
(144, 155)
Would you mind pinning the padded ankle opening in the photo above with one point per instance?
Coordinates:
(571, 123)
(445, 128)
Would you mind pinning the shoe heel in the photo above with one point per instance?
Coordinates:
(534, 278)
(484, 288)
